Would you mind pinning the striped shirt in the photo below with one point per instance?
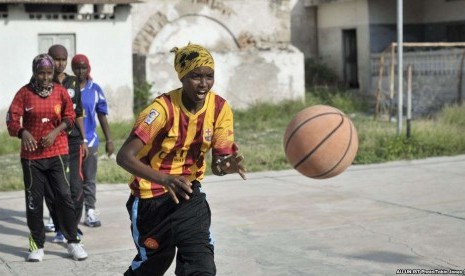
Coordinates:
(177, 141)
(40, 116)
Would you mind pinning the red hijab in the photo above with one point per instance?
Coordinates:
(80, 58)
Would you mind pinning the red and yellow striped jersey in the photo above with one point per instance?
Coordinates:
(177, 141)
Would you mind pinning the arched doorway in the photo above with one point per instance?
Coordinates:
(159, 35)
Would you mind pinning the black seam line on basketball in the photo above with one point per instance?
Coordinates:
(321, 142)
(303, 123)
(340, 160)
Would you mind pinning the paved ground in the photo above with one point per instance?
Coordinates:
(371, 220)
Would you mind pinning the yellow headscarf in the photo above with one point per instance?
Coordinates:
(190, 57)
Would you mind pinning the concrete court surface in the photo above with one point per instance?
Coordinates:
(370, 220)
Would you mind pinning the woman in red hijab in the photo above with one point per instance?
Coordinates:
(95, 106)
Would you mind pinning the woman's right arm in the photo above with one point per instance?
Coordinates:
(13, 122)
(13, 117)
(127, 159)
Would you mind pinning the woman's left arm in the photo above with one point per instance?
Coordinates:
(109, 147)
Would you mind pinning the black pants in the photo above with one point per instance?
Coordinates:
(48, 174)
(75, 182)
(159, 226)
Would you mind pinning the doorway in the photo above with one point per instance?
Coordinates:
(349, 38)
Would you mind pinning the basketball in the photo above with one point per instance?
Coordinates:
(320, 142)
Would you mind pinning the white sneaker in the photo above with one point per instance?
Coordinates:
(36, 255)
(91, 219)
(76, 251)
(50, 226)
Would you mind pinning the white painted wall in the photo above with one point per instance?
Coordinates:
(352, 13)
(195, 29)
(108, 45)
(268, 21)
(332, 19)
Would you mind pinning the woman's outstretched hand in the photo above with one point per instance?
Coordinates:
(233, 164)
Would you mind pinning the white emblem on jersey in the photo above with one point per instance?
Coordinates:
(45, 120)
(71, 92)
(151, 117)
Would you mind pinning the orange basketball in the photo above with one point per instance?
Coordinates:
(320, 142)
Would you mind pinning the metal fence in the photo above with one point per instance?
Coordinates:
(437, 78)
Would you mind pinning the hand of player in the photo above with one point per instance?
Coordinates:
(109, 147)
(29, 143)
(178, 185)
(232, 164)
(85, 151)
(49, 139)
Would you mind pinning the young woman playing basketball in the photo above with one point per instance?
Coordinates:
(166, 152)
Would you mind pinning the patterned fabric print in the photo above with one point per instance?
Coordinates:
(39, 117)
(190, 57)
(176, 141)
(42, 60)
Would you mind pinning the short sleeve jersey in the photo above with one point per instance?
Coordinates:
(40, 116)
(176, 141)
(93, 102)
(71, 84)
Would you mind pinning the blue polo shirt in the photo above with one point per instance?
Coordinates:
(93, 103)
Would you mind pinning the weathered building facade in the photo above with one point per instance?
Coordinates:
(99, 29)
(349, 37)
(250, 41)
(130, 40)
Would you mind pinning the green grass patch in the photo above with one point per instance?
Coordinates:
(8, 144)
